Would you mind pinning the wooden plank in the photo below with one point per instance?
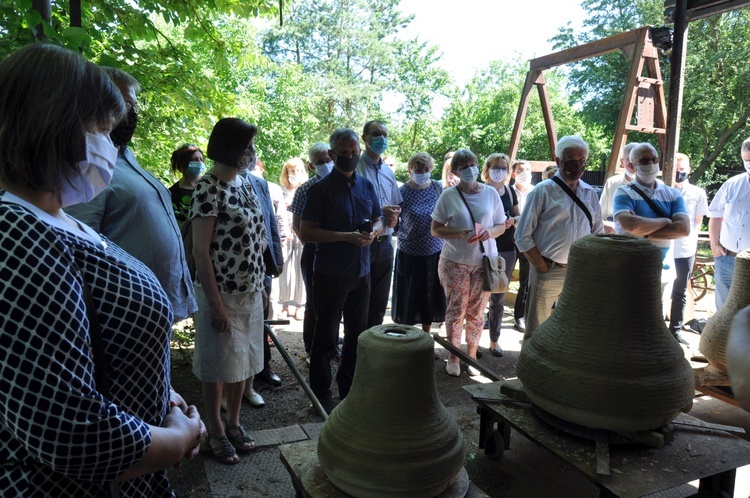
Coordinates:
(523, 106)
(645, 129)
(717, 393)
(549, 123)
(592, 49)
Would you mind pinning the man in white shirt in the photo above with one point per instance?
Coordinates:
(606, 201)
(372, 167)
(550, 222)
(728, 229)
(696, 206)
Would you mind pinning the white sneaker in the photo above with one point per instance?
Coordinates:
(474, 372)
(453, 369)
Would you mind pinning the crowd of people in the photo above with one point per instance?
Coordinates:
(109, 249)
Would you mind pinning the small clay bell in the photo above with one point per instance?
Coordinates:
(391, 436)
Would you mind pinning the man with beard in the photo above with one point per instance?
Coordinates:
(558, 212)
(135, 210)
(342, 216)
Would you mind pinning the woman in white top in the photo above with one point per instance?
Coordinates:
(460, 266)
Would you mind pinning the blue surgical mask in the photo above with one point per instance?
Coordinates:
(420, 178)
(195, 168)
(469, 175)
(323, 169)
(379, 144)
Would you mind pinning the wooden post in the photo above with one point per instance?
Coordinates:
(75, 13)
(676, 85)
(45, 10)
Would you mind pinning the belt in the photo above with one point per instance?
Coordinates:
(550, 263)
(730, 253)
(382, 238)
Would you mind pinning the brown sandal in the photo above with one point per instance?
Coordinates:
(240, 439)
(223, 451)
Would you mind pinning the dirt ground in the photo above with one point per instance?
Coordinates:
(525, 471)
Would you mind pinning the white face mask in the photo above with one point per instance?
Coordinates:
(292, 179)
(498, 175)
(420, 178)
(629, 175)
(94, 173)
(468, 175)
(747, 165)
(523, 177)
(647, 174)
(323, 169)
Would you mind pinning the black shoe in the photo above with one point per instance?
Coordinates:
(266, 375)
(328, 404)
(520, 324)
(480, 353)
(498, 351)
(680, 339)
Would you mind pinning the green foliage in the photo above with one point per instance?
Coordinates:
(481, 117)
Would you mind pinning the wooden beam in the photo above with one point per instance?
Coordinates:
(699, 9)
(628, 101)
(515, 137)
(592, 49)
(676, 86)
(549, 123)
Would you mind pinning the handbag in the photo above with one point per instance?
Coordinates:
(494, 279)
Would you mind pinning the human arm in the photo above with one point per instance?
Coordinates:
(714, 230)
(203, 229)
(444, 232)
(738, 357)
(311, 232)
(677, 228)
(639, 225)
(296, 225)
(536, 260)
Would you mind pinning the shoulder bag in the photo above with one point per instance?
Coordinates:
(576, 199)
(494, 279)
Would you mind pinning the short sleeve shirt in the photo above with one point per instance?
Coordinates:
(414, 236)
(239, 235)
(696, 206)
(338, 205)
(732, 203)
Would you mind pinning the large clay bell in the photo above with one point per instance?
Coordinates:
(392, 436)
(605, 359)
(714, 336)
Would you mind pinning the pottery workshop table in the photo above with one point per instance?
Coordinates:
(309, 480)
(697, 451)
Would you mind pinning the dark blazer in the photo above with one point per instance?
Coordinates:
(260, 188)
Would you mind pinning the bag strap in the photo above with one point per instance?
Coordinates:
(471, 215)
(100, 363)
(649, 201)
(434, 186)
(576, 199)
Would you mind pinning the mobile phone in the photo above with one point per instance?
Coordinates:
(365, 226)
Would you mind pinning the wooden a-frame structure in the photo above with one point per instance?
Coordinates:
(645, 91)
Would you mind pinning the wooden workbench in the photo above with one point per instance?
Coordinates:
(636, 470)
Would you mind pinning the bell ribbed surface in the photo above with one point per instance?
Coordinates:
(391, 436)
(605, 358)
(713, 343)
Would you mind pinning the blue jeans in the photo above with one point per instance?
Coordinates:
(684, 268)
(723, 269)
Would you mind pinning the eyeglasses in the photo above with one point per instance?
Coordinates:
(645, 161)
(573, 164)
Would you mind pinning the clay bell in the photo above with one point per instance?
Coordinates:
(391, 436)
(714, 336)
(605, 359)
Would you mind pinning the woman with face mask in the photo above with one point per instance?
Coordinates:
(495, 173)
(291, 286)
(76, 306)
(188, 162)
(418, 296)
(229, 237)
(460, 265)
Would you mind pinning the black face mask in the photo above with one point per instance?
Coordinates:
(680, 176)
(347, 164)
(125, 129)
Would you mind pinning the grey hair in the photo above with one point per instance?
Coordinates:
(570, 142)
(640, 147)
(317, 148)
(121, 78)
(746, 145)
(626, 150)
(341, 133)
